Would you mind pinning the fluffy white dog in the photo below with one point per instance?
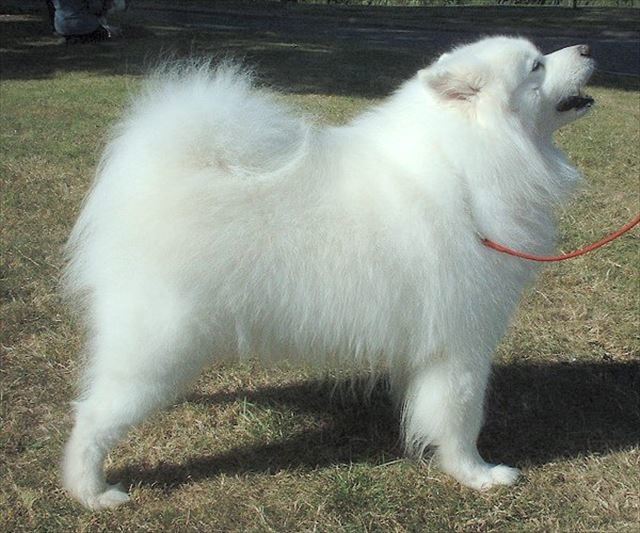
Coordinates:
(221, 225)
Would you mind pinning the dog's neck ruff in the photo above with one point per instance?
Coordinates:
(563, 257)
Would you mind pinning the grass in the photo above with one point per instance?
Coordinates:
(254, 449)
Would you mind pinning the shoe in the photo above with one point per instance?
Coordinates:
(101, 33)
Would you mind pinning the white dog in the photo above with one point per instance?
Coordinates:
(222, 225)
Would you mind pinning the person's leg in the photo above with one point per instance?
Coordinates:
(72, 17)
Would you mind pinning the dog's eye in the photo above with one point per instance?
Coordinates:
(536, 66)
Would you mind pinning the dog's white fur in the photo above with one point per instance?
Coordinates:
(220, 224)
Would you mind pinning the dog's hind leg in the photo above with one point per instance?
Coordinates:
(111, 406)
(444, 407)
(142, 354)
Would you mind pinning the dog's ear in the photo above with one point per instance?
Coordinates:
(453, 82)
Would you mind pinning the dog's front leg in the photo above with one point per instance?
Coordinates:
(444, 407)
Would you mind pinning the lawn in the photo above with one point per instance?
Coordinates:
(255, 449)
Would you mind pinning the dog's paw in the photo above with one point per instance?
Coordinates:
(485, 476)
(503, 475)
(113, 496)
(488, 476)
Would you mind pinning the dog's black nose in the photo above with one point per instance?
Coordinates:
(585, 50)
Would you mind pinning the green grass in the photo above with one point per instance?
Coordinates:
(254, 449)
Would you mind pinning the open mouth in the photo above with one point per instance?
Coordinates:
(576, 101)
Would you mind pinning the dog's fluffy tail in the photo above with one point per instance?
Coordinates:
(193, 116)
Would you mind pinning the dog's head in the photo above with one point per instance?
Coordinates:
(510, 76)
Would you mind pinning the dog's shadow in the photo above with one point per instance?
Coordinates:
(535, 414)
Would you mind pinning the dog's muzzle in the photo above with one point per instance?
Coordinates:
(576, 101)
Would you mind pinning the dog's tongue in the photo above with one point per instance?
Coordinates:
(574, 102)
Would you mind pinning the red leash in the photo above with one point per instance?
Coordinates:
(553, 258)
